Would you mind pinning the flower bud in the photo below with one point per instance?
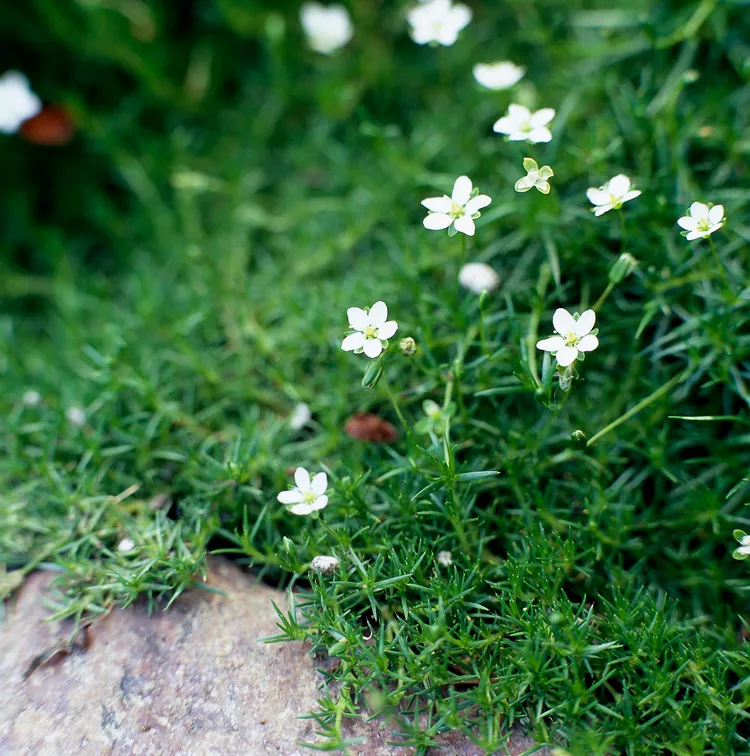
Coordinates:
(622, 267)
(372, 375)
(407, 346)
(324, 565)
(288, 546)
(578, 439)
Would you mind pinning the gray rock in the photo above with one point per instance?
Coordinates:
(193, 680)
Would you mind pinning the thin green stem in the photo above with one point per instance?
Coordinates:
(536, 314)
(394, 402)
(599, 302)
(638, 407)
(720, 265)
(623, 230)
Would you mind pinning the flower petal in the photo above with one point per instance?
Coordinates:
(619, 185)
(601, 210)
(552, 344)
(465, 225)
(358, 319)
(353, 341)
(437, 221)
(320, 503)
(540, 134)
(477, 203)
(459, 16)
(688, 223)
(699, 211)
(319, 483)
(597, 196)
(378, 314)
(542, 117)
(715, 214)
(566, 356)
(373, 348)
(585, 323)
(543, 187)
(588, 343)
(563, 322)
(693, 235)
(290, 497)
(462, 190)
(438, 204)
(302, 479)
(387, 329)
(519, 113)
(301, 509)
(504, 125)
(524, 184)
(529, 164)
(631, 195)
(546, 172)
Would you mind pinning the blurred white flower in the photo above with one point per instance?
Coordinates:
(372, 330)
(459, 210)
(612, 195)
(574, 336)
(478, 277)
(75, 416)
(521, 125)
(501, 75)
(126, 545)
(308, 495)
(324, 565)
(17, 102)
(31, 398)
(744, 548)
(300, 416)
(701, 221)
(535, 178)
(445, 558)
(437, 22)
(326, 28)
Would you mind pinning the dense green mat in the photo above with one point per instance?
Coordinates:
(181, 272)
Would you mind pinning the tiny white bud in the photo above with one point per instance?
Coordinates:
(478, 277)
(445, 558)
(324, 565)
(75, 416)
(300, 416)
(32, 398)
(126, 545)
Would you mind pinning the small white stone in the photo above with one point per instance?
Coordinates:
(445, 558)
(324, 565)
(478, 277)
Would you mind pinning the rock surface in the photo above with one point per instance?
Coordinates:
(193, 680)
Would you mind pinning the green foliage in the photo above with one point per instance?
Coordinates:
(182, 269)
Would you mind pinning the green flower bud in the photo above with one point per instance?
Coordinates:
(578, 439)
(408, 346)
(622, 267)
(373, 374)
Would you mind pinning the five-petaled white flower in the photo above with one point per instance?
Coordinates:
(17, 102)
(700, 221)
(535, 178)
(574, 336)
(478, 277)
(326, 28)
(459, 210)
(373, 329)
(612, 195)
(501, 75)
(437, 22)
(309, 495)
(521, 125)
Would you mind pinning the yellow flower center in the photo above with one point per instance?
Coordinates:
(371, 332)
(571, 339)
(309, 497)
(456, 210)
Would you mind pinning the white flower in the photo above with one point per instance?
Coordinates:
(478, 277)
(373, 329)
(459, 210)
(701, 222)
(535, 178)
(744, 547)
(574, 336)
(126, 545)
(31, 398)
(437, 21)
(612, 195)
(326, 28)
(75, 416)
(300, 417)
(324, 565)
(502, 75)
(521, 125)
(445, 558)
(17, 102)
(308, 495)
